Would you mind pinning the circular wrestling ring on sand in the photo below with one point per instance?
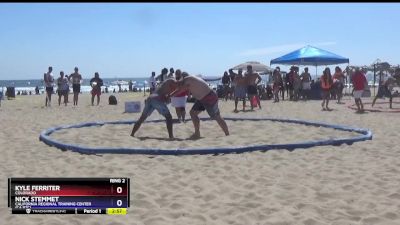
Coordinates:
(378, 107)
(365, 134)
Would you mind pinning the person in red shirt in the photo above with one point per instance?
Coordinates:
(359, 81)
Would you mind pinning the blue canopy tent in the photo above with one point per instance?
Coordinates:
(311, 56)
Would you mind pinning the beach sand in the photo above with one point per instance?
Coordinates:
(357, 184)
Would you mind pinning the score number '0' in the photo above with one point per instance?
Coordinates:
(119, 191)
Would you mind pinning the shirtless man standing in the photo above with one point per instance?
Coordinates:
(49, 82)
(76, 84)
(158, 101)
(253, 79)
(206, 99)
(240, 88)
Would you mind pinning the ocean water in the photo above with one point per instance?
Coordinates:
(30, 85)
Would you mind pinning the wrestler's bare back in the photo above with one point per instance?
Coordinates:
(198, 87)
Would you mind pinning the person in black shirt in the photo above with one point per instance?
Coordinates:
(96, 84)
(226, 80)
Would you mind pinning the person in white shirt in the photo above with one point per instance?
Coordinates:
(152, 82)
(171, 73)
(49, 83)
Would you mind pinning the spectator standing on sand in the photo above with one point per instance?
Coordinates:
(49, 82)
(76, 78)
(96, 82)
(62, 88)
(178, 100)
(326, 85)
(359, 83)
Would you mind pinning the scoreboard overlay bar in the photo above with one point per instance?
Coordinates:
(69, 195)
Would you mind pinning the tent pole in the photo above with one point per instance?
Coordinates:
(316, 68)
(374, 77)
(348, 78)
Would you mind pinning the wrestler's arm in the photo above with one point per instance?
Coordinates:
(174, 92)
(181, 86)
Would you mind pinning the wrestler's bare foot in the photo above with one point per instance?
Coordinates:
(194, 136)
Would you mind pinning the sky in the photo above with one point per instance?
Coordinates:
(133, 39)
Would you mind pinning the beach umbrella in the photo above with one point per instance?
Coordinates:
(257, 67)
(382, 66)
